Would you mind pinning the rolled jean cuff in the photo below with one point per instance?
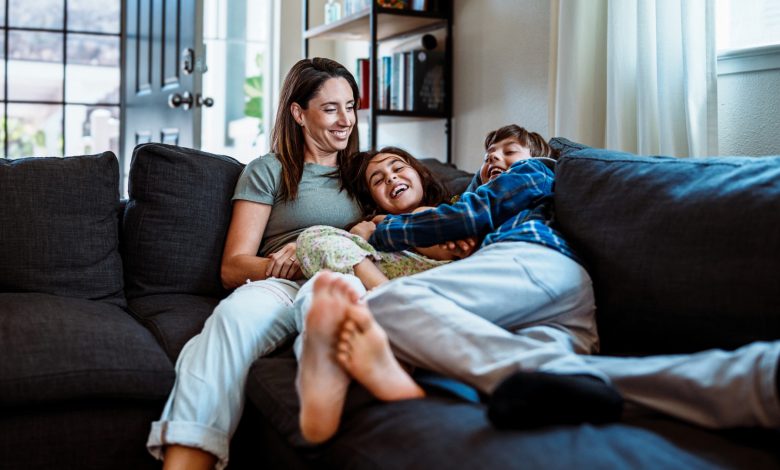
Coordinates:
(188, 434)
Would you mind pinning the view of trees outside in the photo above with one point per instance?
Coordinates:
(59, 84)
(236, 35)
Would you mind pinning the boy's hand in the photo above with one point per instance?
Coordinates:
(284, 264)
(461, 248)
(363, 229)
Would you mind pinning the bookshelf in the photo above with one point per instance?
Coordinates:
(376, 25)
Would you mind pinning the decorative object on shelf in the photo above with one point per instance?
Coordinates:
(332, 11)
(353, 6)
(400, 4)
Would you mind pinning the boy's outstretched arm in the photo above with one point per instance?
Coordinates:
(476, 213)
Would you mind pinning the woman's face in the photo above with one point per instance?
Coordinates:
(500, 156)
(328, 121)
(395, 186)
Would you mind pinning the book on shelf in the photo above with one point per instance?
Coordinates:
(364, 82)
(412, 81)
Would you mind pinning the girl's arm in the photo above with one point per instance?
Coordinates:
(474, 215)
(239, 258)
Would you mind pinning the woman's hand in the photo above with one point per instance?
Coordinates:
(460, 248)
(363, 229)
(284, 264)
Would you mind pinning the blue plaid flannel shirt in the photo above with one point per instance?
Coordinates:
(516, 206)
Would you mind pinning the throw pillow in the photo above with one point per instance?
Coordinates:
(176, 220)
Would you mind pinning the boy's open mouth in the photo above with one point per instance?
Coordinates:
(494, 172)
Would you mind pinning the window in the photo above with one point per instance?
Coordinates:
(748, 35)
(60, 77)
(238, 51)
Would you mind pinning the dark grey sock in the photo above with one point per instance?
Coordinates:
(533, 399)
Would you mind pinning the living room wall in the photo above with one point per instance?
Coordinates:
(501, 68)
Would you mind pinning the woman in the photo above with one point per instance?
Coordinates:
(278, 195)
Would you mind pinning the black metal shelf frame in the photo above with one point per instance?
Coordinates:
(445, 14)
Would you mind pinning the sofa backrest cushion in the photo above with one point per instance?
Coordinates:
(176, 220)
(684, 253)
(59, 227)
(453, 179)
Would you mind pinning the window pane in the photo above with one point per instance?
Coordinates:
(2, 69)
(94, 15)
(34, 66)
(743, 24)
(34, 130)
(92, 70)
(36, 14)
(2, 13)
(91, 129)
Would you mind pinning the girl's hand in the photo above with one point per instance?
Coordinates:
(284, 264)
(460, 248)
(378, 218)
(363, 229)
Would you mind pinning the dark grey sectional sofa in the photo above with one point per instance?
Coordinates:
(98, 296)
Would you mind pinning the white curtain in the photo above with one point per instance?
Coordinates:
(635, 75)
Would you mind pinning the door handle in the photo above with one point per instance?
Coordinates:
(206, 102)
(183, 101)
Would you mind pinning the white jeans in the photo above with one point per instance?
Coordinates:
(207, 399)
(519, 306)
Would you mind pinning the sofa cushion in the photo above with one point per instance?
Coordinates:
(176, 219)
(453, 179)
(441, 431)
(57, 349)
(173, 318)
(683, 253)
(59, 227)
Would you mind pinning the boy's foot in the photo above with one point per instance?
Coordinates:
(321, 383)
(364, 352)
(533, 399)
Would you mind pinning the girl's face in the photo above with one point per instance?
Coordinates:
(395, 186)
(329, 118)
(500, 156)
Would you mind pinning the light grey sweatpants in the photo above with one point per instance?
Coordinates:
(207, 399)
(519, 306)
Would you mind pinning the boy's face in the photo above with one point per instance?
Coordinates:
(394, 185)
(500, 156)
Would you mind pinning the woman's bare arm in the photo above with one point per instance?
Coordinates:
(239, 258)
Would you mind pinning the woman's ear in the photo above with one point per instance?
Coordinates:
(297, 113)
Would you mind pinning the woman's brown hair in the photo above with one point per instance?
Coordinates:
(535, 142)
(303, 82)
(434, 193)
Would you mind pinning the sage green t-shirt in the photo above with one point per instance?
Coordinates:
(319, 201)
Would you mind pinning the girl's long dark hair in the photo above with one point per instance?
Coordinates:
(434, 192)
(302, 83)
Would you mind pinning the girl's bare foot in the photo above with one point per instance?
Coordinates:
(364, 352)
(321, 382)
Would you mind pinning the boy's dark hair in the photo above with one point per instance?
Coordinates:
(535, 142)
(434, 192)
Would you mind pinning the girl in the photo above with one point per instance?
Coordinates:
(391, 181)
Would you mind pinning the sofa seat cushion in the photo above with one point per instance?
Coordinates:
(59, 227)
(173, 318)
(442, 431)
(59, 349)
(176, 220)
(684, 253)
